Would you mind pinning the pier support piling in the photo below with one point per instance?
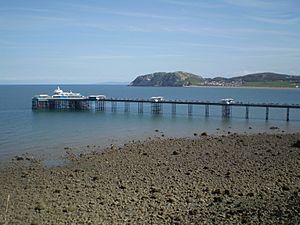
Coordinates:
(267, 113)
(102, 105)
(173, 109)
(156, 108)
(190, 109)
(287, 114)
(206, 110)
(92, 105)
(226, 111)
(113, 106)
(247, 112)
(126, 107)
(140, 107)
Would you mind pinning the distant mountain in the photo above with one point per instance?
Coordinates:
(260, 77)
(171, 79)
(267, 77)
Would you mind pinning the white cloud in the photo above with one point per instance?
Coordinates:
(257, 48)
(97, 9)
(261, 4)
(274, 20)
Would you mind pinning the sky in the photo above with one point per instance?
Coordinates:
(99, 41)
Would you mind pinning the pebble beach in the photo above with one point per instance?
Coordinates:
(225, 179)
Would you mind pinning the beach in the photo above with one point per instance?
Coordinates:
(218, 179)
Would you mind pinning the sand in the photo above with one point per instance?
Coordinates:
(234, 179)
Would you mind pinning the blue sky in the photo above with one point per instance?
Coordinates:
(95, 41)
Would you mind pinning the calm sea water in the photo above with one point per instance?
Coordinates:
(47, 133)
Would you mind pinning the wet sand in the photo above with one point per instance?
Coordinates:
(234, 179)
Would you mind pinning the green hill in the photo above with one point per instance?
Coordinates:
(265, 79)
(171, 79)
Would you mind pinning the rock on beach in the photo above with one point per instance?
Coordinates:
(229, 179)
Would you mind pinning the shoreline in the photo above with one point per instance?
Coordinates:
(56, 155)
(246, 87)
(227, 179)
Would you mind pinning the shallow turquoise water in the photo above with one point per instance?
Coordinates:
(47, 133)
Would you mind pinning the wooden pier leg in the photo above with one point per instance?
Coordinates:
(287, 114)
(140, 107)
(153, 108)
(160, 108)
(267, 113)
(102, 106)
(173, 109)
(86, 105)
(247, 112)
(126, 107)
(35, 104)
(156, 108)
(190, 109)
(113, 106)
(226, 111)
(223, 111)
(206, 110)
(99, 105)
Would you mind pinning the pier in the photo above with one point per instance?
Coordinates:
(74, 101)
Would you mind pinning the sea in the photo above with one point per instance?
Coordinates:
(47, 135)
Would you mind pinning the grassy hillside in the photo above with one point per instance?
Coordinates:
(271, 84)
